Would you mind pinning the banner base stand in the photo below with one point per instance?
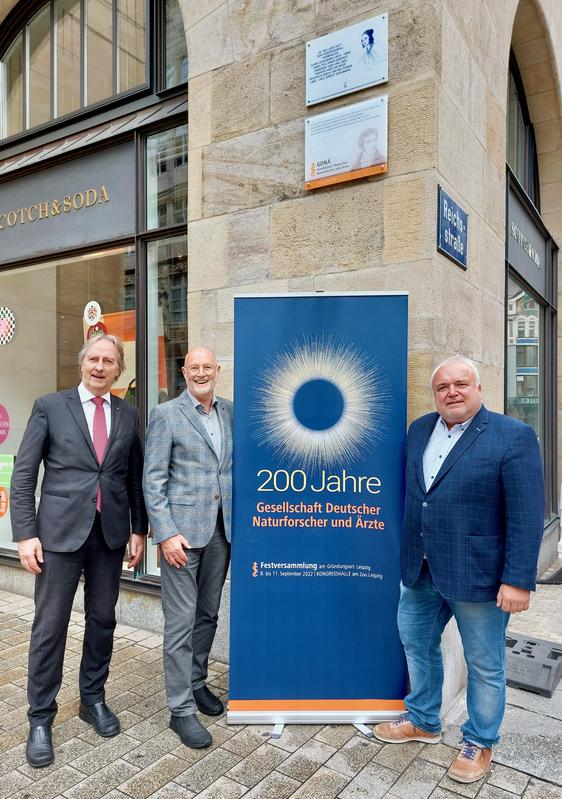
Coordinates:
(277, 731)
(364, 730)
(311, 717)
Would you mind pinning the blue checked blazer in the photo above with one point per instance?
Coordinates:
(481, 522)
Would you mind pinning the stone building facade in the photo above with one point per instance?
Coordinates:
(252, 227)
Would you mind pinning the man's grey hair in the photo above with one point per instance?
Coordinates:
(457, 359)
(105, 337)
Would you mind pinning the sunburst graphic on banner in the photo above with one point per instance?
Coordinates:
(321, 402)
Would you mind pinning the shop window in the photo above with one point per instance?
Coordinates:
(48, 302)
(524, 373)
(166, 178)
(521, 145)
(176, 48)
(71, 56)
(166, 261)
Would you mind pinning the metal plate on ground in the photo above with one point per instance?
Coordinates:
(533, 664)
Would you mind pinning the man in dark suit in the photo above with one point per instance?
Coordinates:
(473, 523)
(91, 497)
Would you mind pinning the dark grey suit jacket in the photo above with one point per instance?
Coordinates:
(57, 435)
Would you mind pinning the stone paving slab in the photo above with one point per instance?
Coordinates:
(147, 760)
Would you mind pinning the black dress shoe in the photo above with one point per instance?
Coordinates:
(39, 749)
(207, 702)
(191, 732)
(104, 721)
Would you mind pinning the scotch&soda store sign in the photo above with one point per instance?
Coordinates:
(83, 201)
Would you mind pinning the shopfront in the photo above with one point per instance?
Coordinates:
(531, 298)
(93, 207)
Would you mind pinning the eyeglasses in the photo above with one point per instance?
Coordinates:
(194, 370)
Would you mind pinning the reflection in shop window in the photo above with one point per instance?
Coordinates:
(12, 89)
(39, 85)
(49, 301)
(166, 178)
(99, 50)
(131, 52)
(68, 23)
(524, 372)
(176, 47)
(166, 262)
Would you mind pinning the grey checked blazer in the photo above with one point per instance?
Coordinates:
(184, 483)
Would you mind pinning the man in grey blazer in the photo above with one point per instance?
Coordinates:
(91, 498)
(188, 488)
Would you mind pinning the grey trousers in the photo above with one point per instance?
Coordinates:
(191, 599)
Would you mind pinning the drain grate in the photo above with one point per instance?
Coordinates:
(533, 664)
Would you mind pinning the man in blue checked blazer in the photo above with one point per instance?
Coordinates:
(187, 487)
(473, 523)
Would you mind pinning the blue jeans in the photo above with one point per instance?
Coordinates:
(422, 616)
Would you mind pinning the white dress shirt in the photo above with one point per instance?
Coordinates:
(89, 408)
(441, 442)
(211, 422)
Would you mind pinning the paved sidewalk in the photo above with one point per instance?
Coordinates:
(307, 762)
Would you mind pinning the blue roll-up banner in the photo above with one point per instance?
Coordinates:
(319, 431)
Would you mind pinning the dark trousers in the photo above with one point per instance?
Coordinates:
(55, 588)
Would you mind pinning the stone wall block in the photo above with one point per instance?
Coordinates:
(492, 53)
(331, 230)
(194, 10)
(456, 64)
(462, 314)
(413, 39)
(248, 247)
(493, 323)
(540, 77)
(495, 129)
(492, 379)
(461, 155)
(412, 130)
(195, 184)
(258, 168)
(526, 30)
(550, 167)
(240, 98)
(287, 79)
(494, 198)
(209, 42)
(420, 366)
(405, 232)
(551, 197)
(491, 261)
(344, 12)
(207, 247)
(194, 317)
(257, 25)
(553, 222)
(544, 106)
(467, 18)
(200, 110)
(477, 109)
(533, 52)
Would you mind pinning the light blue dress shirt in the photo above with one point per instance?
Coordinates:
(211, 422)
(440, 443)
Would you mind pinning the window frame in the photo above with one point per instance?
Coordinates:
(530, 184)
(150, 92)
(547, 360)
